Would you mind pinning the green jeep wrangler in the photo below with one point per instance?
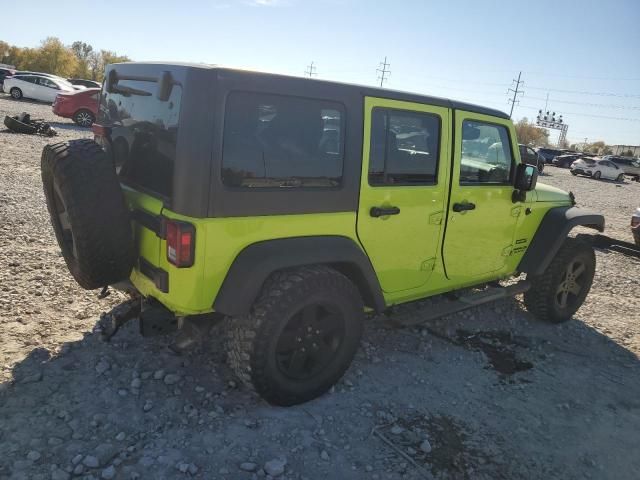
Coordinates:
(292, 207)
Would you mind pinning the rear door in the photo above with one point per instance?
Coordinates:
(27, 85)
(403, 189)
(481, 216)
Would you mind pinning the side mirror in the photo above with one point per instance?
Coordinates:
(526, 177)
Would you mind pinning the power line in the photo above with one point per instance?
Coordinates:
(597, 105)
(310, 71)
(578, 114)
(581, 92)
(383, 71)
(515, 100)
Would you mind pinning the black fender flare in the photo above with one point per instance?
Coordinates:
(551, 233)
(256, 262)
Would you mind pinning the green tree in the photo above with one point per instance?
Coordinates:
(530, 134)
(82, 52)
(99, 60)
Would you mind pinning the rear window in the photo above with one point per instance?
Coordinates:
(281, 141)
(144, 132)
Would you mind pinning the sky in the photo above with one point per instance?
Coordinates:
(584, 54)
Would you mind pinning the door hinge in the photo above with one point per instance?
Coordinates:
(507, 251)
(435, 218)
(515, 211)
(428, 265)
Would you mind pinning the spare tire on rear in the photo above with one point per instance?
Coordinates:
(88, 212)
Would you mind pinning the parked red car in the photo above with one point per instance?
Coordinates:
(81, 106)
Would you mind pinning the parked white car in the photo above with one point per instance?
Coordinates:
(597, 169)
(36, 87)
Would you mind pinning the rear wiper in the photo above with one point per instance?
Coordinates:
(126, 91)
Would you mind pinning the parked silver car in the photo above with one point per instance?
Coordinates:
(630, 166)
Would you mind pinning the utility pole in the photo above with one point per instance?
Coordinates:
(584, 145)
(383, 71)
(546, 102)
(311, 71)
(516, 92)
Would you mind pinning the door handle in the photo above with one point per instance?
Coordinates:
(383, 211)
(463, 207)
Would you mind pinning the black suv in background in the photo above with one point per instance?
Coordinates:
(529, 156)
(629, 165)
(548, 153)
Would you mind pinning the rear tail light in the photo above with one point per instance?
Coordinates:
(181, 238)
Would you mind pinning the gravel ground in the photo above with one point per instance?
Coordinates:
(490, 393)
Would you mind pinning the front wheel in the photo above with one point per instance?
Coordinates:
(597, 175)
(574, 173)
(620, 178)
(16, 93)
(560, 291)
(301, 336)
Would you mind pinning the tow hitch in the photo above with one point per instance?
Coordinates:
(154, 318)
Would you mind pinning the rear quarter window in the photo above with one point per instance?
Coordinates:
(279, 141)
(144, 133)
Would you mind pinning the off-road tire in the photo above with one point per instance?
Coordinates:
(80, 182)
(540, 299)
(15, 93)
(84, 118)
(17, 126)
(252, 339)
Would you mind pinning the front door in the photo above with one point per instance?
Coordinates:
(481, 216)
(403, 189)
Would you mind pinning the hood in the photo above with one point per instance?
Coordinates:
(547, 193)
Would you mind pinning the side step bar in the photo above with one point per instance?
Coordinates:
(462, 302)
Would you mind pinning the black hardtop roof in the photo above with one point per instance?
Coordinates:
(363, 89)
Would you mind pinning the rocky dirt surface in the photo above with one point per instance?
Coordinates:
(490, 393)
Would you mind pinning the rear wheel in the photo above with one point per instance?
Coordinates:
(16, 93)
(597, 175)
(301, 336)
(84, 118)
(560, 291)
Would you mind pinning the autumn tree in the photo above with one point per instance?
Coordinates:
(82, 52)
(52, 56)
(530, 134)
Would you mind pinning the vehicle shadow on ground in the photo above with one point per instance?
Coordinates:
(497, 394)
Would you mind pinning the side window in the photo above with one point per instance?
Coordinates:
(282, 141)
(404, 148)
(486, 154)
